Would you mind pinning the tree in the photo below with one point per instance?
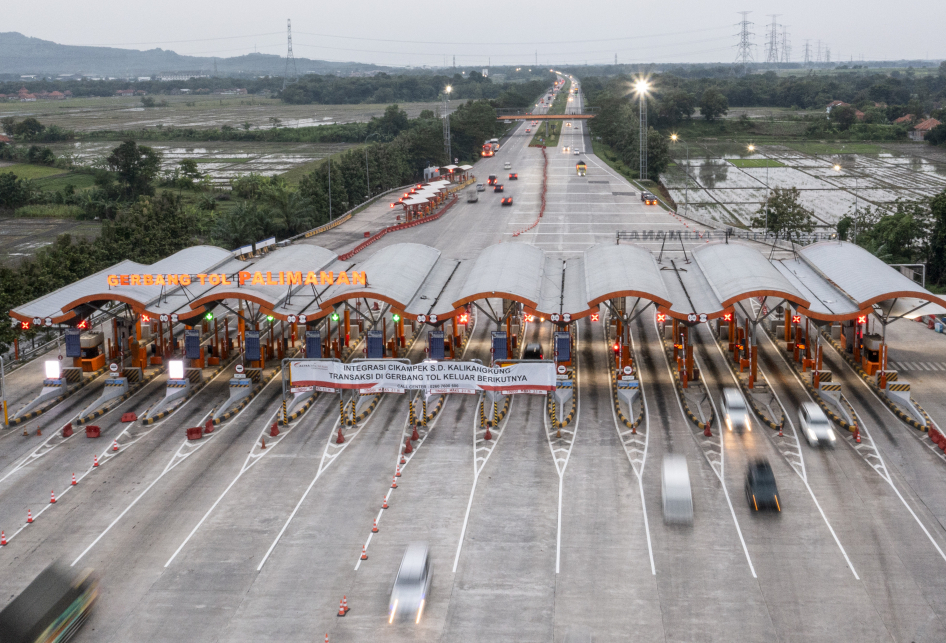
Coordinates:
(136, 167)
(713, 104)
(937, 243)
(28, 129)
(901, 236)
(783, 215)
(393, 122)
(844, 116)
(14, 192)
(937, 135)
(288, 208)
(676, 107)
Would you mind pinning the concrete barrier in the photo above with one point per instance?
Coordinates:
(240, 389)
(52, 390)
(899, 393)
(177, 391)
(115, 387)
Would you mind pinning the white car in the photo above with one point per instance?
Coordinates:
(507, 165)
(815, 425)
(734, 410)
(480, 187)
(576, 152)
(675, 490)
(412, 585)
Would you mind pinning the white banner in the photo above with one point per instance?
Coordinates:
(380, 376)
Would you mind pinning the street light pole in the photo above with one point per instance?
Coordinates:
(752, 149)
(367, 177)
(686, 181)
(446, 124)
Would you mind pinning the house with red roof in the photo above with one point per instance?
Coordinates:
(920, 130)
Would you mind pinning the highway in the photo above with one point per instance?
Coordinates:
(533, 537)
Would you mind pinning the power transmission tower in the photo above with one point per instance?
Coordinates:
(454, 61)
(807, 53)
(615, 59)
(771, 43)
(744, 48)
(786, 47)
(827, 54)
(289, 58)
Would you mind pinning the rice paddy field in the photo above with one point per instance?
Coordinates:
(726, 182)
(205, 112)
(222, 160)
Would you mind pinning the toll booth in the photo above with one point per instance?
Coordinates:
(870, 353)
(91, 355)
(313, 344)
(374, 344)
(436, 347)
(499, 345)
(192, 344)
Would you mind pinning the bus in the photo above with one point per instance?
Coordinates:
(51, 608)
(487, 149)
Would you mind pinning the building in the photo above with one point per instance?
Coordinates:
(180, 75)
(833, 104)
(125, 92)
(5, 140)
(920, 130)
(908, 118)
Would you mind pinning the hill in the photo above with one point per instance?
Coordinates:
(21, 54)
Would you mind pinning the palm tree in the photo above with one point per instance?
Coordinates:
(293, 211)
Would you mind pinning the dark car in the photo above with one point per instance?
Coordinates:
(648, 198)
(498, 187)
(532, 351)
(491, 180)
(761, 491)
(513, 176)
(507, 201)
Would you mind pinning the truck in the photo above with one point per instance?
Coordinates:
(51, 608)
(581, 168)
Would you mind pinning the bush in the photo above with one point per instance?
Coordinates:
(49, 211)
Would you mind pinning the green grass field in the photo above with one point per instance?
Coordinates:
(58, 182)
(49, 211)
(26, 171)
(243, 160)
(756, 163)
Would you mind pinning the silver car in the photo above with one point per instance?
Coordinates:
(675, 490)
(412, 585)
(480, 187)
(735, 413)
(815, 425)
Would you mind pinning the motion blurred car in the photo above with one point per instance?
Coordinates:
(815, 425)
(735, 413)
(576, 152)
(507, 201)
(412, 584)
(513, 176)
(528, 130)
(497, 187)
(565, 149)
(532, 351)
(761, 491)
(648, 198)
(472, 196)
(568, 124)
(675, 490)
(491, 179)
(52, 607)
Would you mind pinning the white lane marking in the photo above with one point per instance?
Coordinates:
(640, 474)
(568, 453)
(476, 472)
(888, 477)
(804, 472)
(140, 496)
(327, 460)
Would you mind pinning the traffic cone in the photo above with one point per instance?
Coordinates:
(384, 505)
(25, 433)
(95, 462)
(364, 553)
(52, 497)
(488, 436)
(397, 472)
(3, 538)
(374, 527)
(780, 431)
(414, 435)
(326, 638)
(857, 435)
(114, 445)
(263, 443)
(29, 516)
(39, 430)
(341, 438)
(403, 459)
(407, 446)
(394, 482)
(273, 431)
(341, 608)
(345, 603)
(74, 481)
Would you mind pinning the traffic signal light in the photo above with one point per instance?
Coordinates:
(595, 317)
(862, 319)
(270, 318)
(334, 317)
(145, 319)
(616, 347)
(464, 318)
(395, 317)
(796, 319)
(209, 316)
(661, 317)
(727, 317)
(24, 325)
(83, 324)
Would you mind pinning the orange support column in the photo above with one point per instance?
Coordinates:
(751, 341)
(689, 355)
(400, 329)
(675, 334)
(456, 338)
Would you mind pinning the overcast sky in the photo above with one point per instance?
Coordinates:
(507, 33)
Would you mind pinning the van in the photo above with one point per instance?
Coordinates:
(675, 490)
(815, 425)
(735, 413)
